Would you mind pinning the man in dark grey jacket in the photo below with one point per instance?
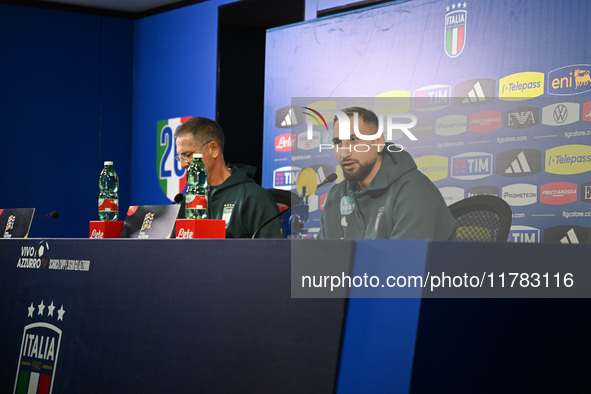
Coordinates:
(233, 195)
(383, 195)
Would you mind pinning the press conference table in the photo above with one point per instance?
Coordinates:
(188, 316)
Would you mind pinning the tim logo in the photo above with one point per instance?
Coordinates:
(471, 165)
(39, 351)
(285, 177)
(171, 176)
(569, 80)
(431, 98)
(522, 118)
(519, 162)
(147, 223)
(524, 234)
(455, 29)
(566, 234)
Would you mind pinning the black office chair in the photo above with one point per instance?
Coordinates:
(482, 218)
(284, 198)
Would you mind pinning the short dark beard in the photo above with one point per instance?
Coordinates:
(360, 175)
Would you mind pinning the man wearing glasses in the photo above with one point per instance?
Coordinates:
(233, 195)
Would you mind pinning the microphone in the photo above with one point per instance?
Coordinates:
(329, 179)
(178, 198)
(53, 215)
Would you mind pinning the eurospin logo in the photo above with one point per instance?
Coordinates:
(570, 80)
(521, 86)
(171, 176)
(568, 159)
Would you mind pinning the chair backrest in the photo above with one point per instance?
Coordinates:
(284, 198)
(482, 218)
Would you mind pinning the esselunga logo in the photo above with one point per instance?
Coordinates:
(570, 80)
(521, 86)
(433, 166)
(568, 159)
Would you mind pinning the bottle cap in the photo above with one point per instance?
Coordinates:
(108, 163)
(197, 155)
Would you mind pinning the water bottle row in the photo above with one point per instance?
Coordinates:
(195, 198)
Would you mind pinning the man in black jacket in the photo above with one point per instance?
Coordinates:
(233, 195)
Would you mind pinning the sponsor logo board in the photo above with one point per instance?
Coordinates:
(558, 193)
(566, 234)
(433, 166)
(475, 91)
(570, 80)
(519, 162)
(285, 177)
(485, 121)
(471, 165)
(520, 194)
(522, 118)
(586, 192)
(560, 114)
(432, 97)
(524, 234)
(521, 86)
(568, 159)
(482, 191)
(451, 125)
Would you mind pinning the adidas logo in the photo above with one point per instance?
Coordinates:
(570, 237)
(519, 165)
(290, 119)
(476, 94)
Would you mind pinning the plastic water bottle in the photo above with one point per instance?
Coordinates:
(108, 201)
(196, 196)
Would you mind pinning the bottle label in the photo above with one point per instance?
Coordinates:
(195, 202)
(108, 205)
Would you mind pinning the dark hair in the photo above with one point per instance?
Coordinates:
(369, 117)
(203, 130)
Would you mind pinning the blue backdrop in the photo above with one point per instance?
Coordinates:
(503, 113)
